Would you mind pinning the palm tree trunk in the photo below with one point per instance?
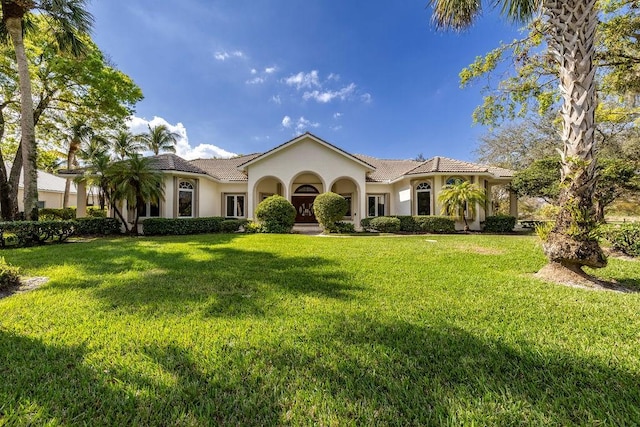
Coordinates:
(71, 156)
(572, 26)
(29, 152)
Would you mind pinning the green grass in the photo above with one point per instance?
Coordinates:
(270, 329)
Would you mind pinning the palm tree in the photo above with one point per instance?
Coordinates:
(136, 182)
(79, 134)
(68, 18)
(160, 138)
(570, 27)
(460, 199)
(126, 144)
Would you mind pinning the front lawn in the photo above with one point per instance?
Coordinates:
(273, 329)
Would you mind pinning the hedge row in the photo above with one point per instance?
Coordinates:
(624, 238)
(499, 224)
(29, 233)
(50, 214)
(182, 226)
(411, 224)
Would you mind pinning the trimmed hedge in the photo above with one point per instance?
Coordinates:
(182, 226)
(232, 225)
(386, 224)
(276, 215)
(345, 227)
(436, 224)
(97, 226)
(29, 233)
(408, 224)
(624, 238)
(330, 208)
(50, 214)
(9, 275)
(499, 224)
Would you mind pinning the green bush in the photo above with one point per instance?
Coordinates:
(9, 275)
(231, 225)
(386, 224)
(499, 224)
(252, 227)
(96, 212)
(29, 233)
(345, 227)
(436, 224)
(182, 226)
(97, 226)
(276, 214)
(330, 208)
(624, 238)
(365, 223)
(408, 224)
(50, 214)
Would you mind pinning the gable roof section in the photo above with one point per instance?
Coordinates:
(225, 169)
(172, 162)
(446, 165)
(387, 170)
(46, 181)
(301, 138)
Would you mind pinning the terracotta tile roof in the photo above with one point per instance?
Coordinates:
(172, 162)
(444, 164)
(225, 169)
(386, 169)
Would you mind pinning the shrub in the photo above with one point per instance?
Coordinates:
(97, 226)
(252, 227)
(345, 227)
(276, 214)
(624, 238)
(96, 212)
(408, 224)
(330, 208)
(436, 224)
(9, 275)
(365, 223)
(499, 224)
(231, 225)
(182, 226)
(386, 224)
(543, 229)
(29, 233)
(50, 214)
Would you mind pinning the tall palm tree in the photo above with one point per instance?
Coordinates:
(570, 27)
(125, 144)
(160, 138)
(460, 200)
(68, 18)
(79, 134)
(136, 182)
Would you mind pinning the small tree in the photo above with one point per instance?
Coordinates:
(276, 214)
(330, 208)
(460, 197)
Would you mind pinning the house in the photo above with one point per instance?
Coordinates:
(306, 166)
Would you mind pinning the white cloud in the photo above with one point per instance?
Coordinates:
(302, 80)
(254, 71)
(337, 115)
(255, 81)
(299, 125)
(366, 98)
(224, 55)
(329, 95)
(183, 147)
(286, 121)
(334, 76)
(276, 99)
(271, 70)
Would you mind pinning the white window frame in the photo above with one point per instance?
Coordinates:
(148, 211)
(185, 189)
(235, 205)
(384, 204)
(423, 190)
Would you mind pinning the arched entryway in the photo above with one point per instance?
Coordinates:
(347, 188)
(304, 190)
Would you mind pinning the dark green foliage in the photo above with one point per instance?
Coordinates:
(181, 226)
(29, 233)
(366, 223)
(408, 224)
(499, 224)
(231, 225)
(624, 238)
(436, 224)
(97, 226)
(345, 227)
(276, 215)
(96, 212)
(9, 275)
(49, 214)
(386, 224)
(330, 208)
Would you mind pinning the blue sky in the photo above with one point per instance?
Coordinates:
(242, 76)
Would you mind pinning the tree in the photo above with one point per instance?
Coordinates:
(160, 138)
(125, 144)
(68, 19)
(459, 200)
(79, 134)
(569, 27)
(136, 182)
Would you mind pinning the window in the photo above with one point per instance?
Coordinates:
(423, 198)
(347, 197)
(149, 209)
(455, 180)
(41, 204)
(235, 206)
(185, 199)
(376, 205)
(307, 189)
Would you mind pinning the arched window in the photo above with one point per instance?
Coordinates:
(307, 189)
(423, 198)
(455, 180)
(185, 199)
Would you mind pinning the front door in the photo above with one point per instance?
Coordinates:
(304, 208)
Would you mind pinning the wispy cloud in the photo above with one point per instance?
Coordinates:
(255, 81)
(304, 80)
(276, 99)
(324, 91)
(271, 70)
(329, 95)
(300, 125)
(224, 55)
